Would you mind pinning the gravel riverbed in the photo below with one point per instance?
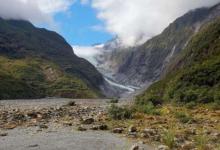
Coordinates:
(37, 132)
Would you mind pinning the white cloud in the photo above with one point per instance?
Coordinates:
(88, 52)
(85, 2)
(37, 11)
(138, 20)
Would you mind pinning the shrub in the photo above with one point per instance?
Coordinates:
(114, 100)
(191, 105)
(147, 109)
(169, 138)
(120, 113)
(214, 106)
(201, 142)
(183, 117)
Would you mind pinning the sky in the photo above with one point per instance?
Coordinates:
(88, 22)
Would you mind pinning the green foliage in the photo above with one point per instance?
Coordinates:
(183, 117)
(201, 142)
(37, 63)
(114, 100)
(169, 138)
(147, 109)
(191, 105)
(120, 113)
(29, 78)
(195, 75)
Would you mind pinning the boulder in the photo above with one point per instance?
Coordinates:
(135, 147)
(80, 128)
(117, 130)
(88, 121)
(163, 147)
(3, 134)
(187, 146)
(132, 129)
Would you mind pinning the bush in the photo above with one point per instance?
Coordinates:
(120, 113)
(169, 138)
(183, 117)
(201, 142)
(191, 105)
(147, 109)
(114, 101)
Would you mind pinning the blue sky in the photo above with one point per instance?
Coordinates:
(78, 26)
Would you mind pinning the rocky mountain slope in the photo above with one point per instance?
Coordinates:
(194, 75)
(144, 64)
(38, 63)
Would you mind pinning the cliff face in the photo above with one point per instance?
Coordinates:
(194, 75)
(20, 40)
(146, 63)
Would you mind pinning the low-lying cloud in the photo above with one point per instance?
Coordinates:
(135, 21)
(88, 52)
(36, 11)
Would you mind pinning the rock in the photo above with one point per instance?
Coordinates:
(3, 134)
(10, 126)
(103, 127)
(99, 127)
(80, 128)
(215, 136)
(72, 103)
(117, 130)
(163, 147)
(94, 128)
(135, 147)
(34, 145)
(67, 123)
(43, 126)
(191, 131)
(187, 146)
(88, 121)
(32, 114)
(132, 134)
(147, 133)
(132, 129)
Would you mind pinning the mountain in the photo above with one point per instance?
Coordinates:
(42, 63)
(194, 75)
(144, 64)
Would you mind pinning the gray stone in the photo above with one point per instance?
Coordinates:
(135, 147)
(132, 129)
(3, 134)
(117, 130)
(163, 147)
(88, 121)
(80, 128)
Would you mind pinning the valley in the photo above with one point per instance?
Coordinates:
(162, 93)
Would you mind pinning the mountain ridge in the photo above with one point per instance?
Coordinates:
(19, 40)
(194, 76)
